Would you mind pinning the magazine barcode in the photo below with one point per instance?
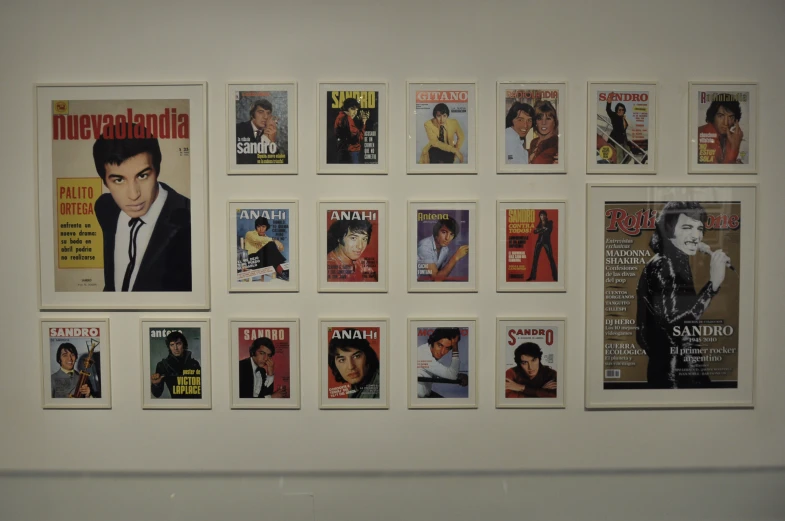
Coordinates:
(613, 373)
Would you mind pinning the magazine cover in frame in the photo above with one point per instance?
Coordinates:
(622, 131)
(528, 136)
(671, 283)
(75, 364)
(442, 363)
(353, 370)
(263, 246)
(176, 364)
(261, 128)
(531, 245)
(441, 128)
(442, 251)
(723, 128)
(265, 363)
(352, 129)
(122, 196)
(529, 360)
(352, 246)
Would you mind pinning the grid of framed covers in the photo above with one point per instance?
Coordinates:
(123, 225)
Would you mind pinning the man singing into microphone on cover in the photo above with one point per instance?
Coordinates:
(667, 299)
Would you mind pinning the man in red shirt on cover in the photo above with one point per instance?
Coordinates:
(720, 138)
(350, 131)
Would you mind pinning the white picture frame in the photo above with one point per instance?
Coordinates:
(521, 237)
(651, 302)
(544, 388)
(278, 156)
(423, 218)
(337, 132)
(461, 101)
(283, 392)
(192, 387)
(244, 273)
(357, 339)
(74, 206)
(731, 96)
(545, 156)
(434, 376)
(344, 263)
(640, 149)
(88, 338)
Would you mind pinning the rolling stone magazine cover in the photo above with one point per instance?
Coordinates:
(665, 325)
(722, 116)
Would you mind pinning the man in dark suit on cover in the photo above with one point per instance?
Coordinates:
(257, 376)
(262, 127)
(146, 225)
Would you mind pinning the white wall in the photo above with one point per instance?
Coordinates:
(670, 41)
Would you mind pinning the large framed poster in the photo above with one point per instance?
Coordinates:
(441, 128)
(263, 246)
(531, 245)
(528, 136)
(352, 132)
(442, 363)
(261, 128)
(354, 368)
(670, 315)
(622, 128)
(122, 196)
(529, 360)
(176, 371)
(442, 248)
(352, 253)
(75, 364)
(723, 128)
(265, 363)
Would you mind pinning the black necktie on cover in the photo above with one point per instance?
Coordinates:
(441, 134)
(134, 224)
(259, 134)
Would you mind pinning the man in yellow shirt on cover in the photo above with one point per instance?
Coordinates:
(445, 138)
(264, 251)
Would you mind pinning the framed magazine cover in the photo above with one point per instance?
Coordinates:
(531, 245)
(261, 128)
(265, 363)
(670, 315)
(442, 363)
(529, 138)
(138, 227)
(353, 128)
(263, 245)
(176, 364)
(723, 128)
(529, 360)
(442, 250)
(76, 373)
(622, 128)
(354, 363)
(352, 246)
(431, 107)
